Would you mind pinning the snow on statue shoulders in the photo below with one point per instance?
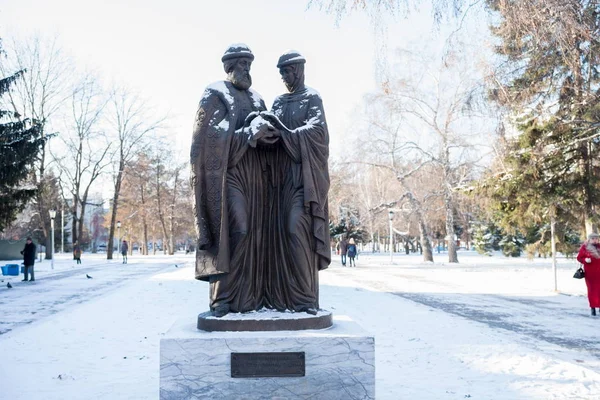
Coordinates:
(222, 87)
(257, 99)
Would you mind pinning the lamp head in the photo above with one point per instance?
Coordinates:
(391, 215)
(52, 213)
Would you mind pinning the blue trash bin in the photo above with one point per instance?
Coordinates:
(11, 269)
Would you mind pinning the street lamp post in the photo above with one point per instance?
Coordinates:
(52, 216)
(391, 217)
(118, 234)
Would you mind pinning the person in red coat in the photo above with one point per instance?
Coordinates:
(589, 256)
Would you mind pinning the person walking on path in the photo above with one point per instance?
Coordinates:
(343, 250)
(589, 256)
(124, 249)
(28, 259)
(352, 252)
(77, 253)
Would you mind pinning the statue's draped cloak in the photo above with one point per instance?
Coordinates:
(307, 142)
(298, 218)
(215, 148)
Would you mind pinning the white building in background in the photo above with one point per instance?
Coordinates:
(94, 220)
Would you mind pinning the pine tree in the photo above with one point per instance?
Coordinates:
(20, 142)
(551, 82)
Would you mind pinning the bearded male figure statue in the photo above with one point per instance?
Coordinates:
(225, 189)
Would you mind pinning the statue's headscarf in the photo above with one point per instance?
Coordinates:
(296, 61)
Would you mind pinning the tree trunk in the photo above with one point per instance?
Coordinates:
(425, 243)
(145, 235)
(171, 237)
(115, 206)
(45, 220)
(553, 241)
(172, 215)
(424, 238)
(74, 235)
(588, 211)
(81, 221)
(47, 238)
(452, 256)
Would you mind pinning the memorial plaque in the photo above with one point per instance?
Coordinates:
(267, 365)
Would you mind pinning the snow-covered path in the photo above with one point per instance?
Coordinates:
(68, 285)
(549, 317)
(484, 329)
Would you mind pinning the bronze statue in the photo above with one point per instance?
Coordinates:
(300, 193)
(260, 181)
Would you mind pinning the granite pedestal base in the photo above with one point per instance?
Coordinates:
(339, 363)
(265, 320)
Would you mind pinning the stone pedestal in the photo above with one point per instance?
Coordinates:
(339, 363)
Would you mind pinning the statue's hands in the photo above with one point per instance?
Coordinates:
(250, 117)
(261, 131)
(270, 137)
(273, 120)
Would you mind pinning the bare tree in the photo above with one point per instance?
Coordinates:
(161, 195)
(86, 150)
(137, 196)
(435, 127)
(177, 191)
(132, 121)
(400, 8)
(370, 189)
(167, 185)
(155, 192)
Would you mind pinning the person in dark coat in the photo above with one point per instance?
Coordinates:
(28, 259)
(343, 250)
(124, 249)
(77, 253)
(352, 252)
(589, 256)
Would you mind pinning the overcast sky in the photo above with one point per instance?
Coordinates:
(171, 50)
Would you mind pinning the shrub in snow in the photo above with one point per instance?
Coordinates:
(512, 245)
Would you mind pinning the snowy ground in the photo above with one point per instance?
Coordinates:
(487, 328)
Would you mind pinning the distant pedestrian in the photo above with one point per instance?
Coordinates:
(77, 253)
(124, 249)
(589, 256)
(343, 250)
(352, 252)
(28, 259)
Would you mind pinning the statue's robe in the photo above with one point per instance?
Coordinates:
(225, 191)
(297, 224)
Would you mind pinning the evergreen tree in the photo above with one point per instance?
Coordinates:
(533, 185)
(512, 245)
(551, 81)
(20, 142)
(486, 238)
